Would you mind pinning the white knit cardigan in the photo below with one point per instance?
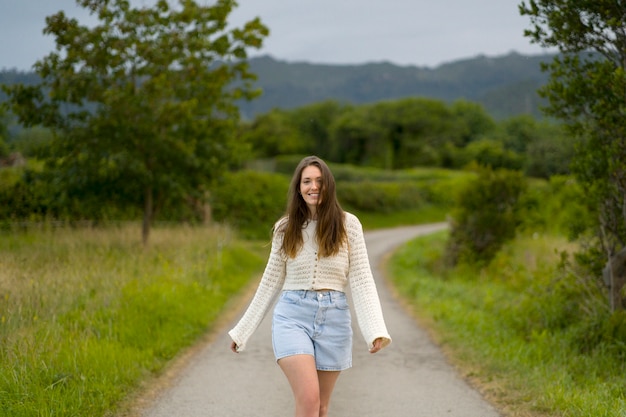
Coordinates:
(307, 271)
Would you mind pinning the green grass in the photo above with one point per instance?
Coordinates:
(511, 331)
(87, 315)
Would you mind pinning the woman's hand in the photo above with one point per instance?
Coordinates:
(378, 345)
(234, 347)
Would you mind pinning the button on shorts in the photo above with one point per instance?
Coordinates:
(314, 323)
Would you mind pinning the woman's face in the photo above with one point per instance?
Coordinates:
(311, 186)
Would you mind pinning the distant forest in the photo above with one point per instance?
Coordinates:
(505, 86)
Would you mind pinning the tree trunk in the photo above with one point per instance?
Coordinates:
(147, 216)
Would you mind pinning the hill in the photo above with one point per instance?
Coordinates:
(504, 85)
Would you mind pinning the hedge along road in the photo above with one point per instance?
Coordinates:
(409, 378)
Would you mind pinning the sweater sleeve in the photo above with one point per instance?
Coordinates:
(366, 302)
(271, 283)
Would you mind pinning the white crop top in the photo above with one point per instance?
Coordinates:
(308, 272)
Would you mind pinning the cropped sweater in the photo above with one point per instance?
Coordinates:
(307, 271)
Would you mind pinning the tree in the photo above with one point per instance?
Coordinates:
(314, 123)
(587, 90)
(144, 101)
(493, 154)
(356, 137)
(272, 134)
(397, 134)
(472, 121)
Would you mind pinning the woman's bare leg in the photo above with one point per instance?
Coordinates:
(302, 376)
(327, 380)
(311, 388)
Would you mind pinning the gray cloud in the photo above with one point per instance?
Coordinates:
(406, 32)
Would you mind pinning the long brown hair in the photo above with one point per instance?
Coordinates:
(330, 230)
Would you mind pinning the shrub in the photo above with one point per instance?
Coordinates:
(286, 164)
(380, 197)
(486, 152)
(250, 201)
(556, 206)
(486, 216)
(4, 148)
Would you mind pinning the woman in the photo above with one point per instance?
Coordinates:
(317, 251)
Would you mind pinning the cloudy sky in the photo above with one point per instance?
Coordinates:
(405, 32)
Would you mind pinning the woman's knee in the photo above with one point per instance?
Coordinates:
(309, 402)
(323, 410)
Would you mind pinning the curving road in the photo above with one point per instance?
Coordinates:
(409, 378)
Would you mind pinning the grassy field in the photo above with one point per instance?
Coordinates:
(87, 314)
(507, 328)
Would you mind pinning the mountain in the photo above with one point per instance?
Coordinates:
(504, 85)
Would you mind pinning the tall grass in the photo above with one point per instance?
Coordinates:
(511, 328)
(87, 314)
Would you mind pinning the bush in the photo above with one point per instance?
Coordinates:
(33, 195)
(491, 153)
(250, 201)
(380, 197)
(4, 148)
(286, 164)
(555, 206)
(486, 216)
(24, 195)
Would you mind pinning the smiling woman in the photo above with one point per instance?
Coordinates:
(318, 250)
(310, 186)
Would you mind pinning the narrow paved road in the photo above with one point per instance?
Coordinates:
(410, 378)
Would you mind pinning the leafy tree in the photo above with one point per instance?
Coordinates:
(272, 134)
(4, 148)
(314, 123)
(353, 137)
(545, 146)
(394, 134)
(417, 128)
(33, 142)
(472, 120)
(491, 153)
(144, 101)
(251, 209)
(550, 154)
(518, 132)
(587, 90)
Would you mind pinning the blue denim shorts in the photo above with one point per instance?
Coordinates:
(314, 323)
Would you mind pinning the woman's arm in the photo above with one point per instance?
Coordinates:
(269, 287)
(363, 287)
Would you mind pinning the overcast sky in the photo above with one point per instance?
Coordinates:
(406, 32)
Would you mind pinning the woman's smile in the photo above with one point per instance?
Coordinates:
(310, 187)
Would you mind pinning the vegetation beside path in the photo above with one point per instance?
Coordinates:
(513, 327)
(87, 315)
